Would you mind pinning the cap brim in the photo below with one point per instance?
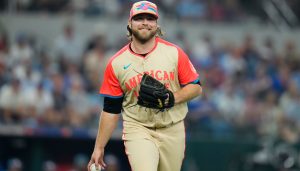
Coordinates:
(143, 12)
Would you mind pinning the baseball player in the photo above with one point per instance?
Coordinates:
(153, 127)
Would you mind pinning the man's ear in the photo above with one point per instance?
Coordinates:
(129, 24)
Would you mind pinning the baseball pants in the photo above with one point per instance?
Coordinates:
(154, 149)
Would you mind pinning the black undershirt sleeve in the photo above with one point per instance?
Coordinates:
(113, 105)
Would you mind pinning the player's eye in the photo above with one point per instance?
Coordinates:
(150, 18)
(138, 18)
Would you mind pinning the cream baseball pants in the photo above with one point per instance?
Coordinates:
(151, 149)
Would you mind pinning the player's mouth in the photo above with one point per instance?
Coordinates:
(145, 29)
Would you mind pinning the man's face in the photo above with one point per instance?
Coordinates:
(143, 27)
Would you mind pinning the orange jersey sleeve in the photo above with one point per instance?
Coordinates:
(110, 86)
(186, 71)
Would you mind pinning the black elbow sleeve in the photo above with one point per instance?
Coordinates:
(113, 105)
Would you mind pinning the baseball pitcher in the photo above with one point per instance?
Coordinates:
(149, 81)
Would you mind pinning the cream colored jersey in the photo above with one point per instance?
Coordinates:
(167, 63)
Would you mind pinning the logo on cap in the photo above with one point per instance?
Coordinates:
(143, 7)
(146, 6)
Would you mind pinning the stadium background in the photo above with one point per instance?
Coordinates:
(52, 56)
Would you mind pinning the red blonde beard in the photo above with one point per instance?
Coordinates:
(143, 38)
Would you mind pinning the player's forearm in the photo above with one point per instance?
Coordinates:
(187, 93)
(107, 125)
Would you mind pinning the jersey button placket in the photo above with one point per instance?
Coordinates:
(144, 64)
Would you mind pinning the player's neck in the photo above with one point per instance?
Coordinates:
(143, 48)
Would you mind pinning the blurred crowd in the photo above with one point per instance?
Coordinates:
(204, 10)
(249, 89)
(55, 87)
(195, 10)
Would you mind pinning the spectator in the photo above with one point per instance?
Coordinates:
(290, 102)
(261, 83)
(233, 11)
(250, 55)
(271, 115)
(280, 79)
(202, 51)
(168, 6)
(95, 8)
(80, 162)
(3, 74)
(4, 57)
(12, 102)
(191, 10)
(268, 50)
(78, 106)
(14, 164)
(69, 45)
(94, 63)
(4, 43)
(217, 11)
(181, 38)
(112, 7)
(214, 76)
(78, 5)
(291, 55)
(21, 52)
(232, 61)
(58, 115)
(38, 104)
(49, 166)
(29, 78)
(229, 101)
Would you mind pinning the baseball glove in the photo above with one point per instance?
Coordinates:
(153, 94)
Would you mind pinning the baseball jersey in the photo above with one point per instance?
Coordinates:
(165, 62)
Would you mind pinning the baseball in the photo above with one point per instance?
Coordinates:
(93, 168)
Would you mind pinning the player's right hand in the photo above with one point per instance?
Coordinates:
(97, 158)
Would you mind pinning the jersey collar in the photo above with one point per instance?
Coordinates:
(136, 54)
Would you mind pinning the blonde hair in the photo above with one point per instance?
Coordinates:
(159, 32)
